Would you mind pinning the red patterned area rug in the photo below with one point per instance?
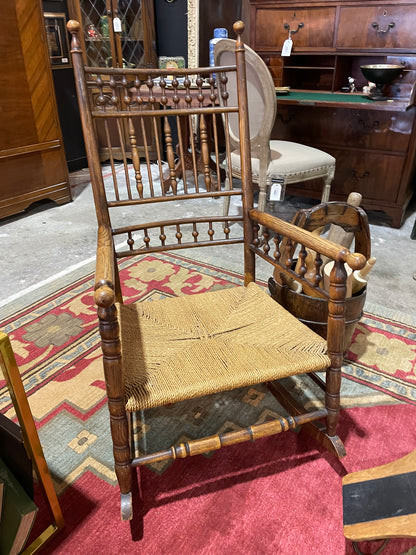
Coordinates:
(282, 495)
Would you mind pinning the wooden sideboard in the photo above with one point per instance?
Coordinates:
(32, 157)
(372, 141)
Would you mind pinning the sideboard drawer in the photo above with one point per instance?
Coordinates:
(384, 27)
(366, 129)
(367, 173)
(313, 28)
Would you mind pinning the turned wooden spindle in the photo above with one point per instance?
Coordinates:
(170, 154)
(135, 158)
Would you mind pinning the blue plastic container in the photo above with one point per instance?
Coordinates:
(219, 33)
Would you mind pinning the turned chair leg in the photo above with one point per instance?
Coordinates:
(262, 196)
(327, 185)
(332, 404)
(122, 460)
(119, 426)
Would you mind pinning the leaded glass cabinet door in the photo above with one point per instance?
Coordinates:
(117, 33)
(96, 20)
(136, 41)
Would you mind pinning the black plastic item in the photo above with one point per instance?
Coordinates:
(378, 499)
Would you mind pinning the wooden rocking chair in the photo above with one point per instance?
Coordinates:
(160, 352)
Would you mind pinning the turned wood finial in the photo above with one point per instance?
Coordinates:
(239, 27)
(104, 296)
(355, 260)
(73, 26)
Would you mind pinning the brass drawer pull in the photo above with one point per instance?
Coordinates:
(362, 176)
(369, 126)
(292, 32)
(379, 31)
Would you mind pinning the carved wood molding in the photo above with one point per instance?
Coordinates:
(193, 33)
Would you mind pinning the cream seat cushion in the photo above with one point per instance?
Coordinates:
(194, 345)
(289, 159)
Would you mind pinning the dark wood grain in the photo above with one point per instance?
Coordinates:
(32, 157)
(373, 143)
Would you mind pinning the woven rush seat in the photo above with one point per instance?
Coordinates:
(194, 345)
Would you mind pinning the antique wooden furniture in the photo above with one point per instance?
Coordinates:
(373, 142)
(127, 42)
(278, 161)
(117, 34)
(160, 352)
(312, 309)
(191, 151)
(380, 503)
(32, 157)
(32, 444)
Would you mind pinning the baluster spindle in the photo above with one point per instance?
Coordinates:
(303, 253)
(193, 151)
(162, 235)
(211, 231)
(205, 152)
(288, 260)
(276, 254)
(265, 240)
(126, 95)
(317, 278)
(130, 240)
(256, 240)
(170, 155)
(146, 238)
(110, 152)
(147, 157)
(182, 153)
(227, 230)
(114, 97)
(135, 158)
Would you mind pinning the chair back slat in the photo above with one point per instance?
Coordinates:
(260, 90)
(157, 137)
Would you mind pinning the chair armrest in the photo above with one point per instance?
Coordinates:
(104, 290)
(356, 261)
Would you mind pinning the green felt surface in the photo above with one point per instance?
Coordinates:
(326, 97)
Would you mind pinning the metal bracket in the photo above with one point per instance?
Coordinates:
(292, 32)
(379, 31)
(362, 176)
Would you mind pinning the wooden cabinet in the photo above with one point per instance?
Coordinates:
(313, 28)
(386, 26)
(32, 157)
(373, 141)
(117, 33)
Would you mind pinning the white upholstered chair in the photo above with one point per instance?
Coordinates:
(284, 162)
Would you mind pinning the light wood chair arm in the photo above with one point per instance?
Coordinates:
(104, 288)
(319, 244)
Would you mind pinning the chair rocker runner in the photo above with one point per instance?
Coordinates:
(282, 162)
(160, 352)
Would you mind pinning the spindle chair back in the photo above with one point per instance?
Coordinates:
(165, 351)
